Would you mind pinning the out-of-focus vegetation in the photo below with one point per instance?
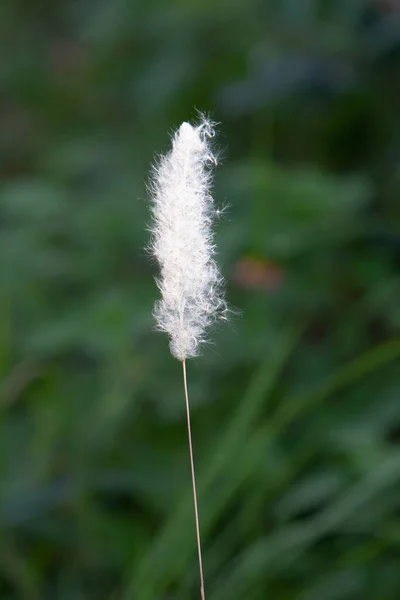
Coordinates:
(296, 405)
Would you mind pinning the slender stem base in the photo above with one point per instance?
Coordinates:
(196, 512)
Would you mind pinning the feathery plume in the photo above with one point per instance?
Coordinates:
(182, 240)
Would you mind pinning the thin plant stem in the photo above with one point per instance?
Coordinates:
(196, 512)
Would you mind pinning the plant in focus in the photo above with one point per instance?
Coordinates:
(182, 242)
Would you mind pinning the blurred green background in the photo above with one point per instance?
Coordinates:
(296, 403)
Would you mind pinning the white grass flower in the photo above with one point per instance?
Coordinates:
(182, 240)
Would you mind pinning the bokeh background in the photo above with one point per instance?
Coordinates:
(296, 403)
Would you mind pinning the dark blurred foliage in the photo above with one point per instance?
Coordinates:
(296, 403)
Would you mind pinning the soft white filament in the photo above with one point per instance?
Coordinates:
(182, 240)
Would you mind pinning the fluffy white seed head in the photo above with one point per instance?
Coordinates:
(182, 240)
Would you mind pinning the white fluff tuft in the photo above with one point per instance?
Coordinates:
(182, 240)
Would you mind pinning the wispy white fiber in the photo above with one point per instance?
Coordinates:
(182, 240)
